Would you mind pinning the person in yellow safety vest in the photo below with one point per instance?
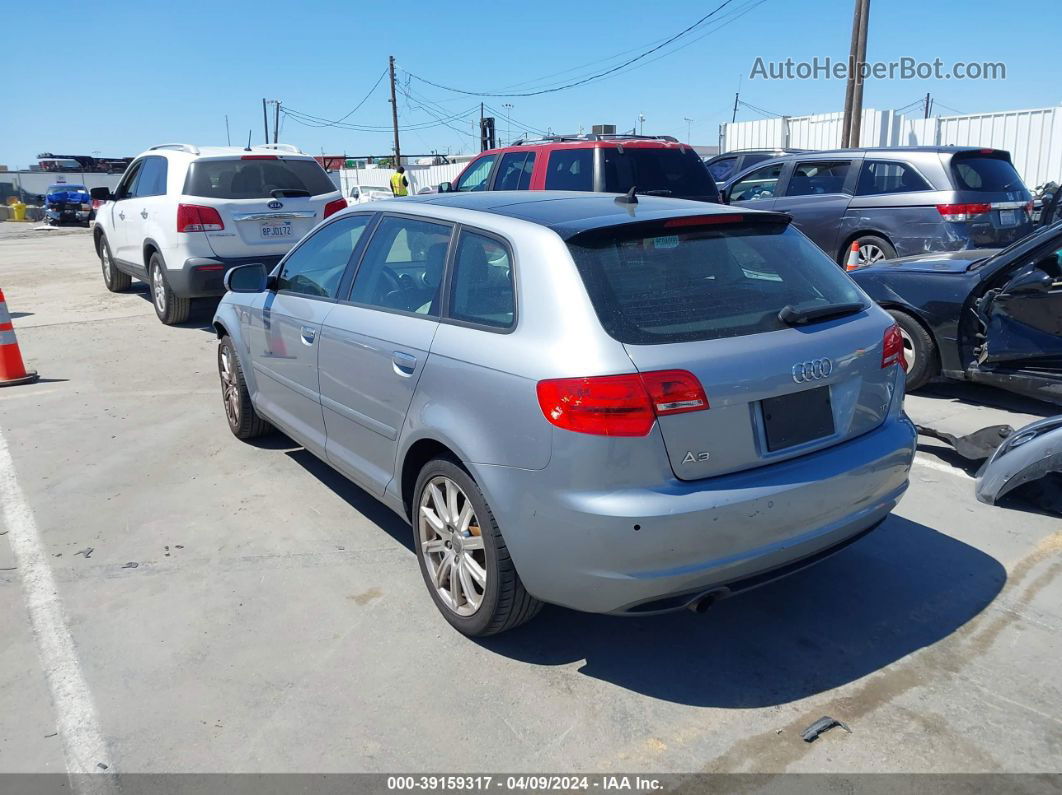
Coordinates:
(399, 183)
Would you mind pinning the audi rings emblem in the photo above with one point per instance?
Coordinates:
(814, 370)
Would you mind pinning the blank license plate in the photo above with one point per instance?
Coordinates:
(277, 229)
(1008, 217)
(801, 417)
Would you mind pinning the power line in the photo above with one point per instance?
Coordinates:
(584, 80)
(337, 122)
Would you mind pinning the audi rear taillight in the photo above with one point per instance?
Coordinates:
(892, 348)
(619, 405)
(196, 218)
(963, 212)
(334, 207)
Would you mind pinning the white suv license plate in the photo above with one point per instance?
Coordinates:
(1008, 217)
(275, 229)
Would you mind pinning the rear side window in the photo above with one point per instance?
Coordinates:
(514, 171)
(570, 169)
(888, 176)
(650, 285)
(481, 288)
(475, 177)
(665, 172)
(152, 181)
(317, 265)
(255, 179)
(986, 174)
(811, 179)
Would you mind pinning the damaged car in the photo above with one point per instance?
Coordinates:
(893, 202)
(989, 316)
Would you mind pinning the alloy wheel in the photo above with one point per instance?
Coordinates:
(105, 258)
(230, 387)
(908, 349)
(869, 253)
(451, 543)
(158, 289)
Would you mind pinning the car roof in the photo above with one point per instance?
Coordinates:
(590, 142)
(884, 150)
(570, 212)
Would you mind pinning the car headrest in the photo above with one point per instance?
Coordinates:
(434, 263)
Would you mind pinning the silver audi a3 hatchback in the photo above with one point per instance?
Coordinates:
(619, 405)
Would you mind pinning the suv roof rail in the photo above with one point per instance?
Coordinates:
(180, 147)
(552, 139)
(280, 148)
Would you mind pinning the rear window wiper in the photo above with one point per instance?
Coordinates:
(288, 193)
(797, 316)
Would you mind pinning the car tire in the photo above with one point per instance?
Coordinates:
(498, 603)
(871, 249)
(243, 420)
(920, 350)
(170, 307)
(113, 279)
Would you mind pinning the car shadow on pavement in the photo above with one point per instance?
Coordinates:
(969, 394)
(200, 317)
(356, 497)
(900, 589)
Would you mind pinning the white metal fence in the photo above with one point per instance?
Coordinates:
(1033, 137)
(418, 176)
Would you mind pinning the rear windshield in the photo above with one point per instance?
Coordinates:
(986, 174)
(667, 172)
(255, 179)
(650, 286)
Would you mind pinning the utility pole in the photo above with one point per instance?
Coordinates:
(265, 120)
(228, 138)
(394, 113)
(482, 137)
(689, 129)
(861, 59)
(926, 116)
(641, 124)
(276, 121)
(849, 86)
(508, 122)
(733, 116)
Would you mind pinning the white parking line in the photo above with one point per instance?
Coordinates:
(940, 466)
(83, 744)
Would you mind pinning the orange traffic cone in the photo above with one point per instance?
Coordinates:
(853, 258)
(12, 370)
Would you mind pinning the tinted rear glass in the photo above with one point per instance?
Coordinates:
(255, 179)
(672, 172)
(652, 286)
(986, 174)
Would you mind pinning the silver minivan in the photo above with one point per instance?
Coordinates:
(617, 404)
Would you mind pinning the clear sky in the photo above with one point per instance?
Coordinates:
(117, 77)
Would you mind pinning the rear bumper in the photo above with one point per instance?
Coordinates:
(637, 550)
(204, 277)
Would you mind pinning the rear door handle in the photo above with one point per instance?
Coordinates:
(309, 334)
(405, 363)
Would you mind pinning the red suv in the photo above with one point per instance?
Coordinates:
(653, 165)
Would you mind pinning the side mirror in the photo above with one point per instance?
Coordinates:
(1030, 281)
(446, 187)
(101, 194)
(246, 279)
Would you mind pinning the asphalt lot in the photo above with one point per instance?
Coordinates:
(276, 619)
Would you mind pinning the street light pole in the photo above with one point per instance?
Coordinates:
(689, 129)
(508, 122)
(641, 124)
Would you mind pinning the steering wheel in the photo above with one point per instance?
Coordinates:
(388, 282)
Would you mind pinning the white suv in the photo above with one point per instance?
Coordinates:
(182, 216)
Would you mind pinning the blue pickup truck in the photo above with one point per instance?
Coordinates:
(65, 202)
